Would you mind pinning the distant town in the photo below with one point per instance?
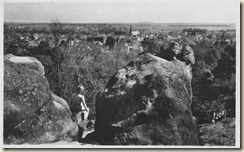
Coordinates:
(129, 35)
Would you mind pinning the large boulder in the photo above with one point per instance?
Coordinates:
(187, 55)
(31, 62)
(147, 102)
(170, 52)
(176, 51)
(32, 113)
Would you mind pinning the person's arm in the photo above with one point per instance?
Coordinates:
(84, 102)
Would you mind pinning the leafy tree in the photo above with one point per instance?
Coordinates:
(205, 94)
(58, 52)
(56, 29)
(13, 43)
(226, 64)
(225, 74)
(130, 30)
(44, 45)
(195, 31)
(150, 45)
(219, 93)
(110, 42)
(211, 56)
(120, 32)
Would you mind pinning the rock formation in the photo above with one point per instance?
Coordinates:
(170, 52)
(176, 51)
(147, 102)
(31, 62)
(187, 56)
(32, 113)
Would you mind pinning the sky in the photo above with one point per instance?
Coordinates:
(123, 11)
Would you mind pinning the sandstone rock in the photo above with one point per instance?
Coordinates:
(31, 62)
(60, 103)
(187, 56)
(147, 102)
(32, 113)
(171, 52)
(176, 51)
(176, 47)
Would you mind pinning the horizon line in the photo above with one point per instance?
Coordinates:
(29, 22)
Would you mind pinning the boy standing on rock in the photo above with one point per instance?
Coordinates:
(78, 106)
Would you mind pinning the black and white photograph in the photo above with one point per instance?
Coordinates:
(120, 74)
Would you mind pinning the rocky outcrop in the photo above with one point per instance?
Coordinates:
(31, 62)
(60, 103)
(32, 113)
(176, 51)
(170, 52)
(147, 102)
(187, 55)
